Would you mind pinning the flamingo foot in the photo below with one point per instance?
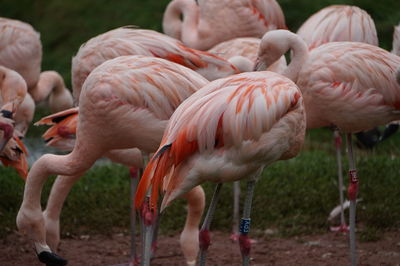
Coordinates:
(343, 228)
(245, 245)
(135, 261)
(235, 237)
(204, 239)
(154, 247)
(51, 259)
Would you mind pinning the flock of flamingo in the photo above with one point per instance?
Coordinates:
(212, 99)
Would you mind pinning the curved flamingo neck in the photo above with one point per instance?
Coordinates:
(49, 82)
(172, 23)
(299, 56)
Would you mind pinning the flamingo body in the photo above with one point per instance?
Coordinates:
(226, 131)
(339, 23)
(340, 79)
(130, 41)
(21, 49)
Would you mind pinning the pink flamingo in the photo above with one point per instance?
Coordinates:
(131, 41)
(242, 52)
(332, 24)
(207, 23)
(350, 85)
(21, 50)
(134, 94)
(227, 131)
(13, 94)
(13, 91)
(338, 23)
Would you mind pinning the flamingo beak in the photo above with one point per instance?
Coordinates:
(259, 65)
(7, 135)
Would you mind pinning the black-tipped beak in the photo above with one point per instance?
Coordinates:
(259, 66)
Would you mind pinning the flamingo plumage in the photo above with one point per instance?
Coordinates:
(349, 85)
(21, 50)
(227, 131)
(129, 41)
(334, 24)
(134, 94)
(338, 23)
(133, 41)
(207, 23)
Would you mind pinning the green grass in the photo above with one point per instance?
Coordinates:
(292, 197)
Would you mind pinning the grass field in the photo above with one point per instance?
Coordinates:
(292, 197)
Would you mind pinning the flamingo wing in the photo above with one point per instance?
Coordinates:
(221, 115)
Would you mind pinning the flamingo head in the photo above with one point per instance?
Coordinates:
(273, 45)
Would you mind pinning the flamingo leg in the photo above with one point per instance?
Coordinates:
(352, 194)
(155, 234)
(204, 234)
(134, 175)
(236, 209)
(338, 142)
(59, 192)
(148, 219)
(244, 240)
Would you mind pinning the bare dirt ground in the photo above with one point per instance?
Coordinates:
(325, 249)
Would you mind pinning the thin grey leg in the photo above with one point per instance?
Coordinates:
(204, 235)
(244, 240)
(236, 209)
(338, 142)
(352, 194)
(134, 174)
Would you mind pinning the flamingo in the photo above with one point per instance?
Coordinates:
(21, 50)
(134, 94)
(227, 131)
(332, 24)
(350, 85)
(13, 91)
(338, 23)
(131, 41)
(13, 95)
(207, 23)
(242, 52)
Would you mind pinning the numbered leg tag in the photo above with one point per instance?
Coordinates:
(245, 225)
